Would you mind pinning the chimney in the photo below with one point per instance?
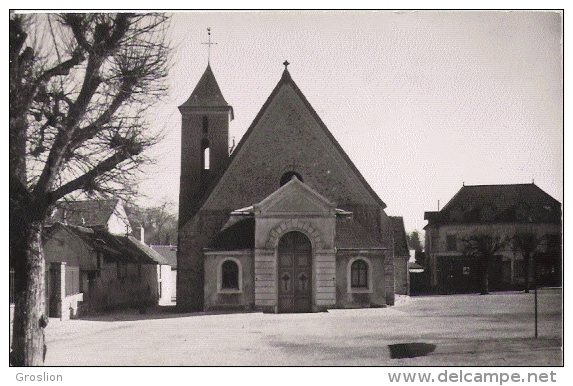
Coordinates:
(142, 235)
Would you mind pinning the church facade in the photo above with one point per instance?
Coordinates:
(284, 222)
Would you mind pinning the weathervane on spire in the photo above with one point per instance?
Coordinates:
(209, 44)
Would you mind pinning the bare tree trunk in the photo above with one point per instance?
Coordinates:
(30, 319)
(485, 283)
(485, 276)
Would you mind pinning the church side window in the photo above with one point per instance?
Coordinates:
(205, 154)
(230, 275)
(359, 274)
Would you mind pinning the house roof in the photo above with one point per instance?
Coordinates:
(350, 234)
(207, 92)
(147, 251)
(89, 213)
(522, 203)
(121, 248)
(399, 236)
(169, 253)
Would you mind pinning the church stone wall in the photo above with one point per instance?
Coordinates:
(193, 238)
(287, 137)
(325, 279)
(377, 294)
(265, 280)
(401, 275)
(219, 299)
(389, 272)
(194, 181)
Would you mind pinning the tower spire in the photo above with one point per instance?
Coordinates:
(209, 44)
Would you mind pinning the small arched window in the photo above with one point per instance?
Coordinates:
(205, 125)
(288, 176)
(359, 274)
(230, 275)
(205, 156)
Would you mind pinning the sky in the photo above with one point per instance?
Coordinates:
(421, 101)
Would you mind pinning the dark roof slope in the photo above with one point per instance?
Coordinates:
(147, 251)
(207, 92)
(400, 241)
(90, 213)
(169, 253)
(121, 248)
(522, 203)
(240, 235)
(350, 234)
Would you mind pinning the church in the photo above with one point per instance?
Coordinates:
(283, 222)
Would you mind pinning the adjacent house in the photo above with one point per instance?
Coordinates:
(108, 214)
(168, 282)
(94, 265)
(91, 270)
(500, 211)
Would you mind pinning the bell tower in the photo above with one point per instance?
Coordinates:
(204, 143)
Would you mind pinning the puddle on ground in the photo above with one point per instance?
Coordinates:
(410, 350)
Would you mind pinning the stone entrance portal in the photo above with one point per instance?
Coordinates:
(295, 273)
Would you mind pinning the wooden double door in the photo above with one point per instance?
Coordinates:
(295, 273)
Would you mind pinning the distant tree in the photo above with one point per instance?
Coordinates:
(483, 248)
(528, 243)
(414, 241)
(79, 87)
(159, 222)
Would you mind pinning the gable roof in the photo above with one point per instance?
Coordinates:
(399, 236)
(521, 203)
(89, 213)
(207, 92)
(147, 251)
(169, 253)
(126, 249)
(298, 191)
(286, 79)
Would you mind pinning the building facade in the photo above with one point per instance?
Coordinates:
(283, 223)
(500, 211)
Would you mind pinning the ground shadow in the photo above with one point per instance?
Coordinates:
(410, 350)
(155, 312)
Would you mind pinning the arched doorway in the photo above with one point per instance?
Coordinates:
(295, 273)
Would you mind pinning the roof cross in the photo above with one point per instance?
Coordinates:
(209, 44)
(286, 63)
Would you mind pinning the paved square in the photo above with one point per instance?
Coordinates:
(468, 330)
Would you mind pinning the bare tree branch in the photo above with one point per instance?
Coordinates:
(79, 95)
